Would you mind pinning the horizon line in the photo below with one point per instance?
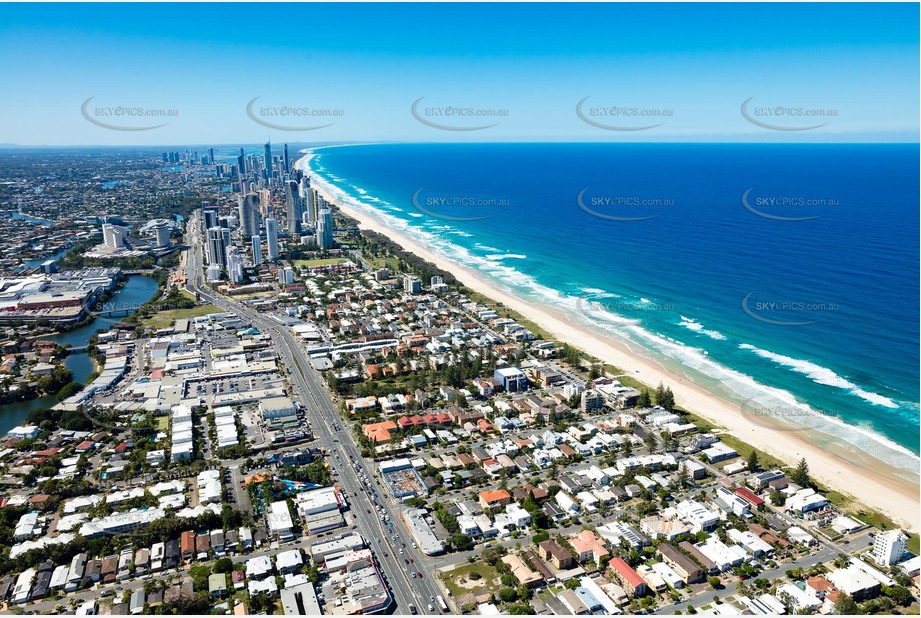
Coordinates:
(378, 142)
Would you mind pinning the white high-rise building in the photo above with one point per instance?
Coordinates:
(311, 204)
(271, 237)
(412, 285)
(213, 273)
(161, 233)
(325, 229)
(888, 547)
(257, 250)
(234, 264)
(113, 236)
(286, 275)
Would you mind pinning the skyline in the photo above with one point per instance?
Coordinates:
(552, 74)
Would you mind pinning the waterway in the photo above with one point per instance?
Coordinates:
(30, 264)
(136, 291)
(23, 217)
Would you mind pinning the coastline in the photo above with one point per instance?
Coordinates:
(871, 482)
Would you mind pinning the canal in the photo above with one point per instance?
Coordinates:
(137, 291)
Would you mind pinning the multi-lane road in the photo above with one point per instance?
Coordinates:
(343, 455)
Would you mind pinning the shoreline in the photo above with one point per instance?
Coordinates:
(878, 485)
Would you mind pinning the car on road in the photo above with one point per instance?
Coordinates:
(412, 609)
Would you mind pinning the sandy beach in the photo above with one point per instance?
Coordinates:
(870, 481)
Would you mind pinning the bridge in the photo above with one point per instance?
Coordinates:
(113, 312)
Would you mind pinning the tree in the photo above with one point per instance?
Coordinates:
(846, 605)
(683, 474)
(800, 475)
(224, 565)
(520, 609)
(714, 582)
(777, 498)
(644, 400)
(199, 575)
(753, 461)
(69, 389)
(507, 595)
(901, 595)
(462, 542)
(665, 397)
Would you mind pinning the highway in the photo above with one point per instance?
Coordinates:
(327, 427)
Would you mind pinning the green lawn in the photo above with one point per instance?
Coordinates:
(880, 521)
(162, 423)
(457, 580)
(382, 262)
(164, 319)
(318, 262)
(764, 460)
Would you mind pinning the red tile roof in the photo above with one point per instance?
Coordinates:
(494, 495)
(626, 571)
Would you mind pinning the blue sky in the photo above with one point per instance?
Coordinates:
(688, 68)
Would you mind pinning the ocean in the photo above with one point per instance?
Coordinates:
(781, 277)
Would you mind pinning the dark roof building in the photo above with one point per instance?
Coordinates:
(687, 569)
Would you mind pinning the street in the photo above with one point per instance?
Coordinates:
(326, 424)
